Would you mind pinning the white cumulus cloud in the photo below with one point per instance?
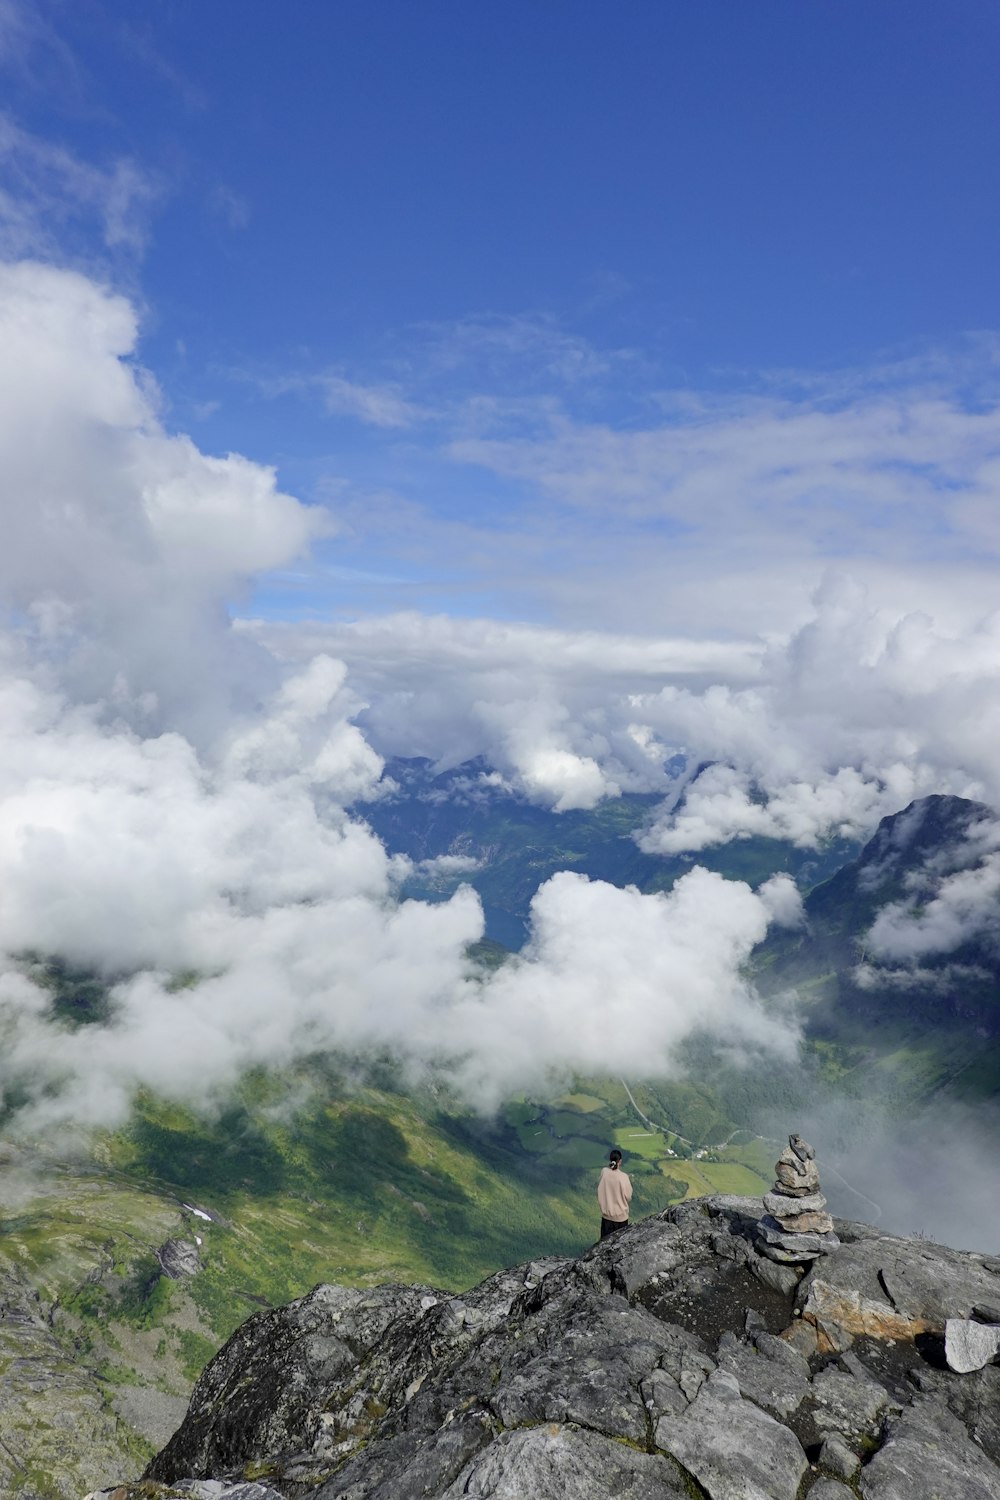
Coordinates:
(173, 796)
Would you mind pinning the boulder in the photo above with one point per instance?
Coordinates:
(928, 1455)
(179, 1258)
(563, 1463)
(837, 1458)
(769, 1372)
(969, 1346)
(734, 1450)
(889, 1287)
(840, 1404)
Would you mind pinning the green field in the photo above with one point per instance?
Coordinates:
(585, 1103)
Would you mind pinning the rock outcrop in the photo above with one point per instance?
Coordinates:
(796, 1228)
(51, 1408)
(672, 1360)
(178, 1258)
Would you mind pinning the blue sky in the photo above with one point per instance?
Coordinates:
(727, 185)
(388, 247)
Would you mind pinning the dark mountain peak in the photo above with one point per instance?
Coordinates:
(900, 953)
(927, 827)
(932, 836)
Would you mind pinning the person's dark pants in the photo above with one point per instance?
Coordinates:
(608, 1226)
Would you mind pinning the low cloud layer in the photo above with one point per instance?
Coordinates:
(920, 1175)
(858, 712)
(172, 795)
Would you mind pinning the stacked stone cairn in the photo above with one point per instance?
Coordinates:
(796, 1227)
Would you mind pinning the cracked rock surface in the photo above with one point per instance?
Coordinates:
(669, 1361)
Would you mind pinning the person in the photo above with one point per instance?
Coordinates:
(614, 1193)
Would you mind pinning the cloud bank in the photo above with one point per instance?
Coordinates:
(853, 715)
(173, 796)
(174, 791)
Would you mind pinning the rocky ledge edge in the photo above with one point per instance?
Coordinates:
(671, 1361)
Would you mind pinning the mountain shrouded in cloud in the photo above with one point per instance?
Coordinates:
(173, 801)
(852, 716)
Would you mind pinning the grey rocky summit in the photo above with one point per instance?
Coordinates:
(795, 1227)
(671, 1360)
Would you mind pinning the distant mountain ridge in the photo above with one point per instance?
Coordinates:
(514, 846)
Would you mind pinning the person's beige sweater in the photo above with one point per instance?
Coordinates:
(614, 1193)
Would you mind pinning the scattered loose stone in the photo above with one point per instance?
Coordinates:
(838, 1459)
(796, 1228)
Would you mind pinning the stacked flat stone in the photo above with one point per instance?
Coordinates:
(796, 1226)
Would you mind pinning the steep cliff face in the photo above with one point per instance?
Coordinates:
(668, 1362)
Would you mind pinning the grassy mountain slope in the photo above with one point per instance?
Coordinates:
(301, 1177)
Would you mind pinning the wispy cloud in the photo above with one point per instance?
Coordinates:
(473, 375)
(381, 404)
(136, 38)
(230, 206)
(496, 345)
(47, 193)
(908, 472)
(32, 49)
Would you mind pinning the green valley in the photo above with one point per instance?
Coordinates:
(129, 1258)
(511, 846)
